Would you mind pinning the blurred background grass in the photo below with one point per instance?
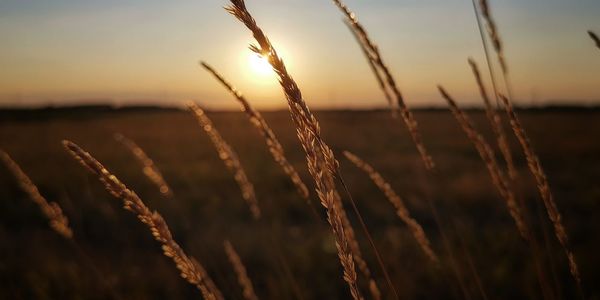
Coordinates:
(36, 263)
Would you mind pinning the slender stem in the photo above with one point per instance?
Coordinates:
(369, 237)
(487, 52)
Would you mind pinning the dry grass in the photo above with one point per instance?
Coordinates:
(371, 61)
(504, 187)
(374, 56)
(495, 122)
(594, 38)
(148, 167)
(322, 164)
(57, 220)
(492, 31)
(357, 253)
(240, 271)
(401, 210)
(487, 155)
(261, 125)
(229, 157)
(497, 44)
(191, 270)
(543, 186)
(325, 171)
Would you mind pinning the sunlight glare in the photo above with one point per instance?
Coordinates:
(260, 65)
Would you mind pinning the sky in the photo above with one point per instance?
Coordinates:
(123, 52)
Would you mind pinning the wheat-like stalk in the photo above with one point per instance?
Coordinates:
(497, 44)
(539, 175)
(373, 67)
(189, 268)
(401, 210)
(495, 122)
(261, 125)
(492, 30)
(148, 166)
(594, 38)
(57, 220)
(500, 181)
(229, 157)
(322, 164)
(372, 53)
(487, 155)
(240, 271)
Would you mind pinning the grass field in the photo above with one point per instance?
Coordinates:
(289, 253)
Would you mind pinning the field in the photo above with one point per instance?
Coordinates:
(290, 252)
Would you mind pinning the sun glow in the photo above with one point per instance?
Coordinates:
(259, 64)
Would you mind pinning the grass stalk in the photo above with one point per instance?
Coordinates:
(240, 270)
(321, 161)
(543, 186)
(495, 122)
(148, 167)
(492, 30)
(401, 210)
(273, 144)
(229, 157)
(373, 67)
(190, 269)
(487, 155)
(51, 210)
(373, 54)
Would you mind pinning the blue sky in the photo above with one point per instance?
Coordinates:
(134, 51)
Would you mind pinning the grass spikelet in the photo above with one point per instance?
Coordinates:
(401, 210)
(261, 125)
(240, 271)
(148, 166)
(539, 175)
(372, 53)
(594, 38)
(189, 268)
(322, 164)
(487, 155)
(57, 220)
(495, 122)
(492, 30)
(229, 157)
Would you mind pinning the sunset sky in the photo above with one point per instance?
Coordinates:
(147, 51)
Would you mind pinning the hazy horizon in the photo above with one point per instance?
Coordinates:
(134, 52)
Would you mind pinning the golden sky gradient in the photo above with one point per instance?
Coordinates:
(134, 51)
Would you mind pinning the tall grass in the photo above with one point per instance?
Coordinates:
(229, 157)
(535, 167)
(532, 159)
(374, 69)
(495, 122)
(401, 210)
(240, 271)
(322, 164)
(504, 187)
(374, 56)
(57, 220)
(487, 155)
(190, 269)
(493, 33)
(148, 167)
(261, 125)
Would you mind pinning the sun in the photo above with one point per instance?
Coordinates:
(259, 64)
